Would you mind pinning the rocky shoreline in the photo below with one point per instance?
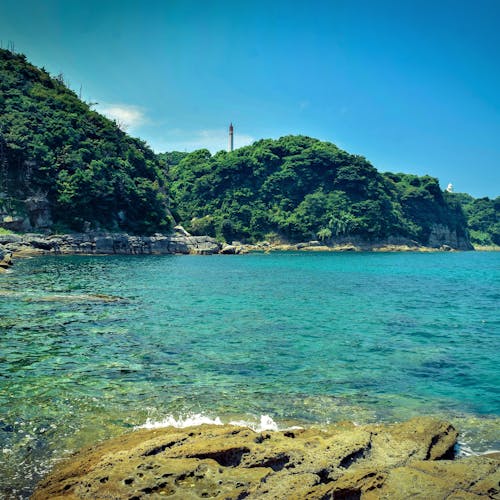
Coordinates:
(344, 461)
(345, 246)
(105, 244)
(180, 242)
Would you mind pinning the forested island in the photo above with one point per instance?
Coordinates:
(65, 168)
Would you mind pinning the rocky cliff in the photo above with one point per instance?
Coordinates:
(345, 461)
(442, 235)
(107, 243)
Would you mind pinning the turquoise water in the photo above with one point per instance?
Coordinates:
(92, 346)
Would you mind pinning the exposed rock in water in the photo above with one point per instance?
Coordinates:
(5, 260)
(228, 250)
(177, 243)
(108, 243)
(412, 459)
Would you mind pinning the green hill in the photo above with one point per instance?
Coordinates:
(483, 217)
(297, 188)
(64, 164)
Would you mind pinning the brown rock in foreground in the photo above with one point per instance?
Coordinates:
(412, 459)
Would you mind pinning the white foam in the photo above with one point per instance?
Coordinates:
(266, 423)
(181, 422)
(487, 452)
(464, 450)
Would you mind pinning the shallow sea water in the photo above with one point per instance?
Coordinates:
(91, 347)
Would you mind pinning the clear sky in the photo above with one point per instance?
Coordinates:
(414, 86)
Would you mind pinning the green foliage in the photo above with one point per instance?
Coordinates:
(171, 158)
(203, 226)
(298, 188)
(325, 234)
(91, 172)
(423, 204)
(295, 188)
(483, 215)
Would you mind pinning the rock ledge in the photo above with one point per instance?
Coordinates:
(107, 243)
(412, 459)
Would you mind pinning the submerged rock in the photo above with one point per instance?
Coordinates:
(343, 461)
(93, 297)
(5, 259)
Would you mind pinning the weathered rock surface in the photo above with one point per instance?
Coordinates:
(229, 249)
(108, 243)
(443, 236)
(443, 239)
(412, 459)
(38, 213)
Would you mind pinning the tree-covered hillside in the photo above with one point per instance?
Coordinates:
(64, 166)
(56, 152)
(298, 188)
(483, 217)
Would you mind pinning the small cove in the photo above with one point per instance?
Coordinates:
(93, 346)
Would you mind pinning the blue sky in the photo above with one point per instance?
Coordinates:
(414, 86)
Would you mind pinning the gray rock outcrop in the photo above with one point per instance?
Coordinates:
(38, 213)
(108, 243)
(443, 236)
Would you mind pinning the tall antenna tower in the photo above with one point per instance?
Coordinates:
(231, 133)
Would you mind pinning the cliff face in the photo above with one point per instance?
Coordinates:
(32, 214)
(107, 244)
(443, 235)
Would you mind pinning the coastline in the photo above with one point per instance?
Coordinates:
(181, 242)
(34, 244)
(315, 246)
(489, 248)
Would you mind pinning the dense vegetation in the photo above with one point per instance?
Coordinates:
(483, 217)
(299, 188)
(53, 146)
(91, 175)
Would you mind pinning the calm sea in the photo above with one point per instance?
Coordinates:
(91, 347)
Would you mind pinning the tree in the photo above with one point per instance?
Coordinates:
(90, 170)
(298, 187)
